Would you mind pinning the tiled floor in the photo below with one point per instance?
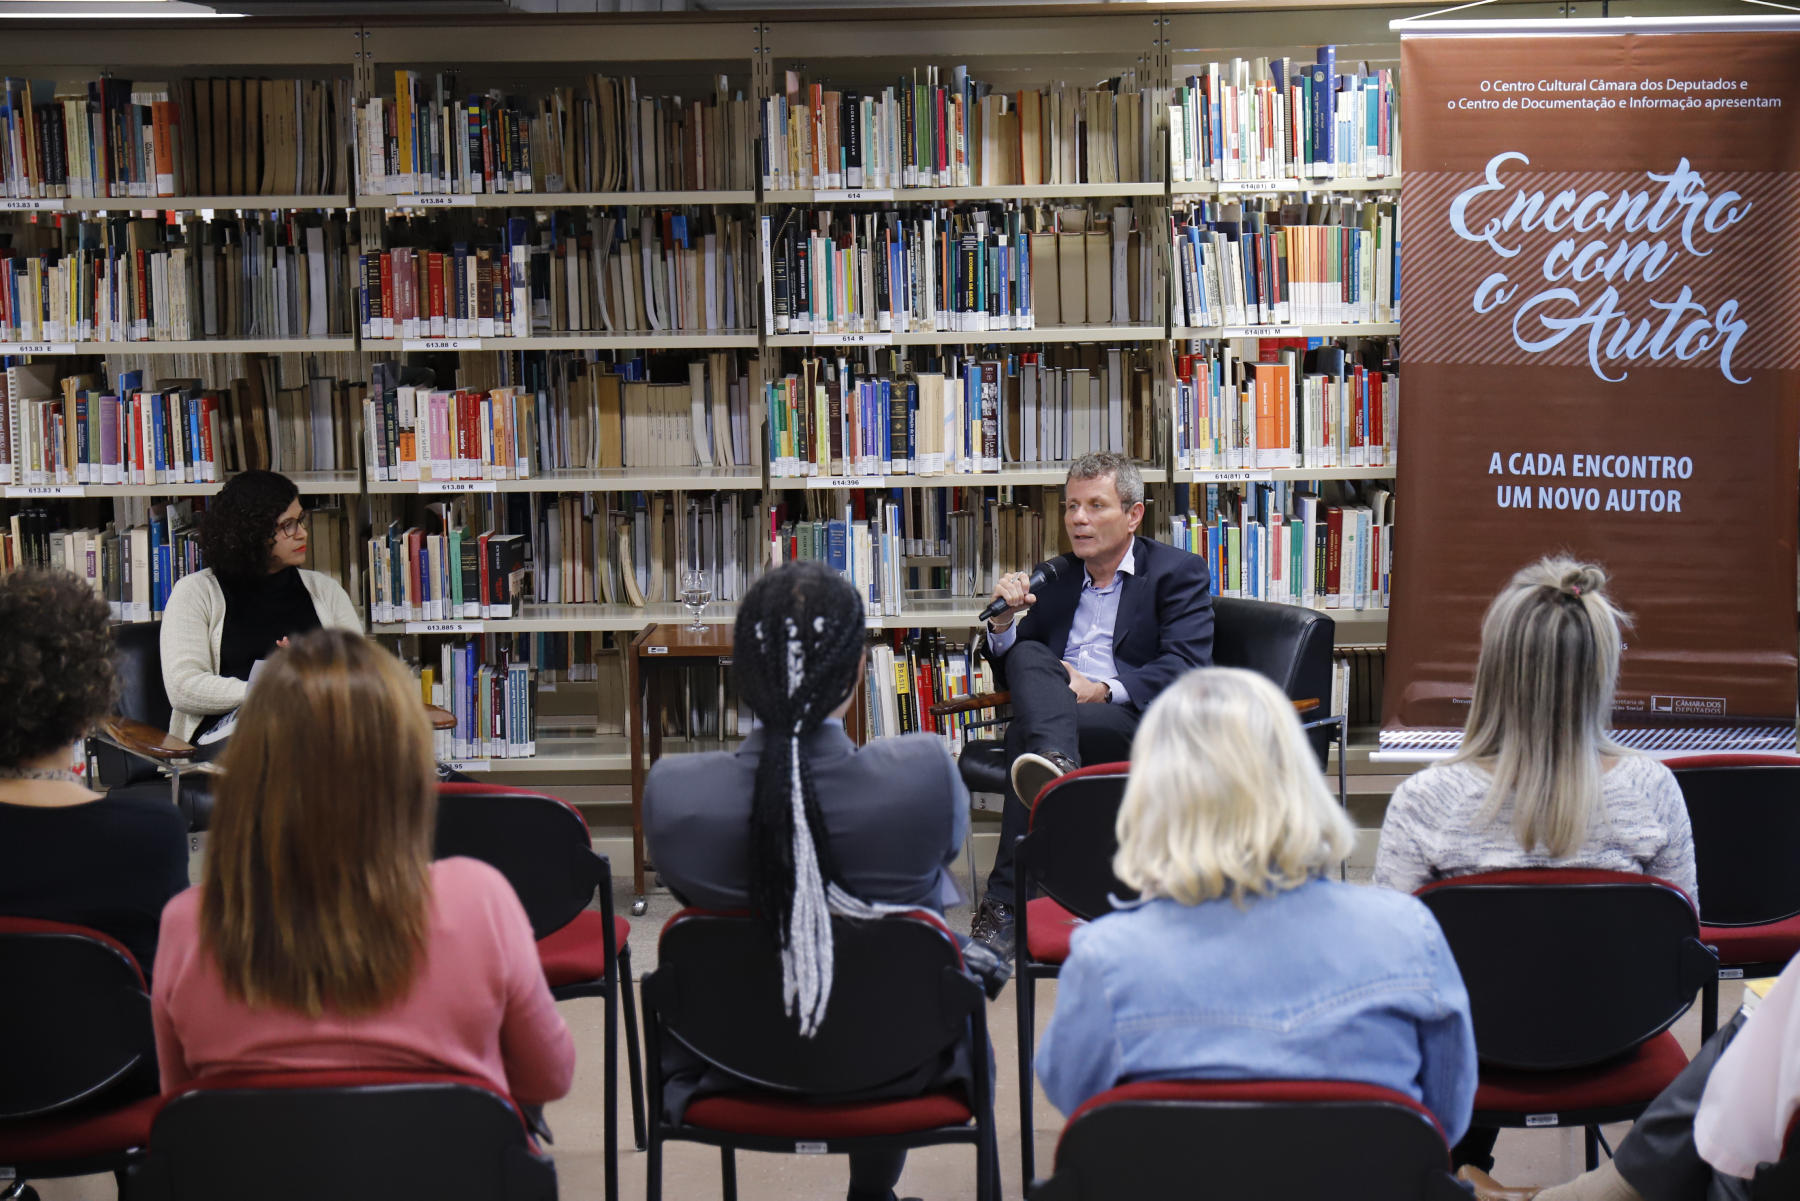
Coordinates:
(690, 1172)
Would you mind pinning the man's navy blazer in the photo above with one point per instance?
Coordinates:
(1165, 623)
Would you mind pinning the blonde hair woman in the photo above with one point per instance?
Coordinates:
(323, 935)
(1245, 959)
(1537, 782)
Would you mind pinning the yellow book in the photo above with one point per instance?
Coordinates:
(403, 131)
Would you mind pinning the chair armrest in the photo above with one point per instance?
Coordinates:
(972, 702)
(1305, 705)
(145, 740)
(441, 718)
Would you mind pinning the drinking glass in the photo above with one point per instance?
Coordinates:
(696, 593)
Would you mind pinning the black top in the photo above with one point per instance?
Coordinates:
(258, 614)
(111, 864)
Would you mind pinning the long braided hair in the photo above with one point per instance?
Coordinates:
(799, 637)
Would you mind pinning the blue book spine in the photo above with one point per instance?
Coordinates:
(837, 549)
(158, 436)
(887, 423)
(1320, 118)
(195, 444)
(912, 426)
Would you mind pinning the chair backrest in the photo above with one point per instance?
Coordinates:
(1289, 644)
(137, 654)
(1745, 811)
(1069, 852)
(1567, 968)
(74, 1016)
(539, 843)
(1158, 1139)
(347, 1135)
(899, 1000)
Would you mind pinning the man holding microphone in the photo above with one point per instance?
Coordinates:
(1104, 630)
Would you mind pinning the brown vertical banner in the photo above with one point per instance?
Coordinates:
(1601, 292)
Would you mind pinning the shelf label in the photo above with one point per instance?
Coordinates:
(1260, 331)
(852, 194)
(37, 348)
(1264, 185)
(30, 204)
(844, 481)
(435, 200)
(47, 490)
(1234, 476)
(458, 486)
(442, 344)
(879, 338)
(443, 627)
(468, 765)
(872, 622)
(656, 650)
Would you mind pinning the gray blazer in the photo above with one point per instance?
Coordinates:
(896, 810)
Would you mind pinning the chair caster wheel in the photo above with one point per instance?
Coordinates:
(639, 906)
(20, 1192)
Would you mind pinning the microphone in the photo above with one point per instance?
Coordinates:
(1044, 573)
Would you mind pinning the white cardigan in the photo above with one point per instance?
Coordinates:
(193, 624)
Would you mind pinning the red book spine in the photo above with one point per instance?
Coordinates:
(209, 415)
(1334, 547)
(436, 271)
(387, 294)
(481, 558)
(927, 694)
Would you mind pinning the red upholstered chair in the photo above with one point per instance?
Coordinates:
(346, 1135)
(1574, 979)
(1274, 1140)
(542, 846)
(1067, 856)
(1745, 810)
(900, 1000)
(77, 1053)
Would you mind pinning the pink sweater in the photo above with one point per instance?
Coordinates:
(479, 1004)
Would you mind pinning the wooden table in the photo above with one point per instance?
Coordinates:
(654, 652)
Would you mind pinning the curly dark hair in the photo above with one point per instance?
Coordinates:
(56, 663)
(240, 523)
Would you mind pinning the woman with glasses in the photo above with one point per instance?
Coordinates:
(221, 622)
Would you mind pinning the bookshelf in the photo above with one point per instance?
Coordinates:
(525, 58)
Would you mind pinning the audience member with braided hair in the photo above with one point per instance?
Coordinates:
(799, 822)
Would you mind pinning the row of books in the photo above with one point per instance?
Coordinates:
(591, 419)
(639, 270)
(928, 132)
(73, 430)
(196, 136)
(1258, 263)
(431, 137)
(910, 672)
(429, 563)
(1277, 119)
(135, 560)
(1272, 542)
(973, 415)
(133, 280)
(1290, 407)
(489, 685)
(630, 271)
(1358, 678)
(965, 269)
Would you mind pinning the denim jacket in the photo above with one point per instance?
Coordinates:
(1328, 981)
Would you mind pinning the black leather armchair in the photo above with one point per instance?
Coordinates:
(1287, 643)
(133, 748)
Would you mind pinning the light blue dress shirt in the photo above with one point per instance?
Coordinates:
(1090, 645)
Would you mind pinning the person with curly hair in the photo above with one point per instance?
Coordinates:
(68, 854)
(253, 593)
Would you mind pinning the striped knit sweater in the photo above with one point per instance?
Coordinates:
(1431, 831)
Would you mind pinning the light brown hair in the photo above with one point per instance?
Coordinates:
(317, 887)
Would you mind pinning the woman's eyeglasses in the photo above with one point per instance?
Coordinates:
(293, 527)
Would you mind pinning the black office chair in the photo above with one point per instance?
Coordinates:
(1746, 842)
(1067, 856)
(1275, 1140)
(900, 1000)
(542, 846)
(1780, 1181)
(1574, 978)
(133, 748)
(1289, 644)
(77, 1054)
(346, 1135)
